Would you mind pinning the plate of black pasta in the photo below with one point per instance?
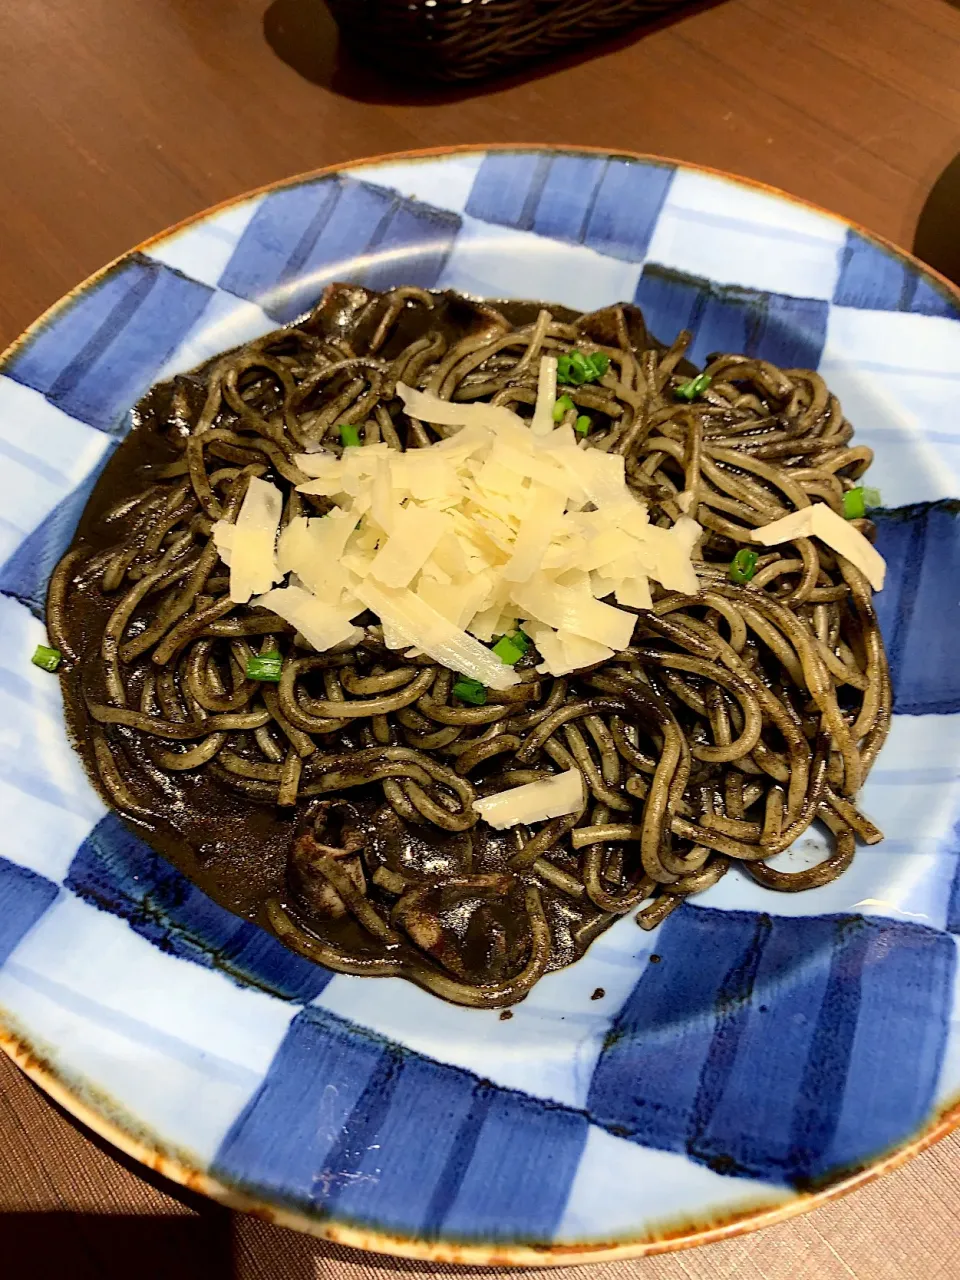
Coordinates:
(438, 590)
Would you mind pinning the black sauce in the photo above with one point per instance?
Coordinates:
(237, 849)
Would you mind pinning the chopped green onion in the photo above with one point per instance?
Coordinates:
(693, 387)
(857, 502)
(510, 649)
(47, 658)
(854, 504)
(266, 666)
(507, 651)
(576, 368)
(583, 424)
(743, 566)
(573, 368)
(562, 406)
(350, 435)
(470, 691)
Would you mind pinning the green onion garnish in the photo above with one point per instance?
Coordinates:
(47, 658)
(692, 388)
(576, 368)
(510, 649)
(854, 507)
(857, 502)
(266, 666)
(582, 425)
(349, 435)
(743, 566)
(573, 368)
(563, 405)
(470, 691)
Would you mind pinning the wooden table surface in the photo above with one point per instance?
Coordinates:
(119, 117)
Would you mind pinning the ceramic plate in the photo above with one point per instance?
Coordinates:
(755, 1054)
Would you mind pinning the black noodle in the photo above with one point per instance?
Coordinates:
(336, 806)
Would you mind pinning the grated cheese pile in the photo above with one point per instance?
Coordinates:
(502, 523)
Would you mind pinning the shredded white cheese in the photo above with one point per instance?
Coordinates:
(251, 543)
(820, 521)
(321, 624)
(451, 544)
(419, 624)
(534, 801)
(313, 549)
(542, 423)
(414, 533)
(452, 413)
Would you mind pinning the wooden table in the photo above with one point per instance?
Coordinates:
(119, 117)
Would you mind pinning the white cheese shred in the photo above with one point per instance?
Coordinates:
(251, 542)
(421, 625)
(321, 624)
(820, 521)
(534, 801)
(542, 424)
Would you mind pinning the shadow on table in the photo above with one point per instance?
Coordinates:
(213, 1244)
(85, 1246)
(303, 34)
(937, 240)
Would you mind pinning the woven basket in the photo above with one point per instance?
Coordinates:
(466, 39)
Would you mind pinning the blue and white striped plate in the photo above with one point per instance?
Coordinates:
(755, 1054)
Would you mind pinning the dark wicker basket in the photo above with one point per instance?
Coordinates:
(467, 39)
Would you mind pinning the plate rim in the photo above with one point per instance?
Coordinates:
(739, 1222)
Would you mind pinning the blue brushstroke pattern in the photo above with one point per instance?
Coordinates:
(953, 906)
(793, 331)
(870, 277)
(874, 278)
(670, 301)
(907, 978)
(931, 299)
(351, 1124)
(411, 247)
(738, 1053)
(626, 208)
(102, 350)
(24, 899)
(302, 238)
(507, 188)
(921, 545)
(567, 197)
(117, 871)
(278, 239)
(26, 575)
(772, 326)
(728, 320)
(609, 205)
(523, 1162)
